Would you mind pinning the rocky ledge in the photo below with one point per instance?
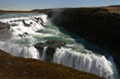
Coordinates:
(100, 26)
(20, 68)
(51, 45)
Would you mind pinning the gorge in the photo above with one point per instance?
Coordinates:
(47, 38)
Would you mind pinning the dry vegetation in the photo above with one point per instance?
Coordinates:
(20, 68)
(113, 9)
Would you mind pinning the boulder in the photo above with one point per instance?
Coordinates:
(40, 47)
(51, 47)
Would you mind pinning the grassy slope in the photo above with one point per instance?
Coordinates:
(20, 68)
(113, 9)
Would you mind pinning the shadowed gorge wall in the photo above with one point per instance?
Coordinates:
(96, 25)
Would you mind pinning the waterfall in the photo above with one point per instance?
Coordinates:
(25, 26)
(24, 32)
(89, 62)
(43, 54)
(22, 51)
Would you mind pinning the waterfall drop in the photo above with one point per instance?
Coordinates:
(25, 32)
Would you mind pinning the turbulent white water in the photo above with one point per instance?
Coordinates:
(25, 31)
(89, 62)
(24, 26)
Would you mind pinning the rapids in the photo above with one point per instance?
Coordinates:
(29, 29)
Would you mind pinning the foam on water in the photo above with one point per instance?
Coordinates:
(22, 51)
(25, 26)
(24, 32)
(89, 62)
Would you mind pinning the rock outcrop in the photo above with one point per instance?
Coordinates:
(4, 26)
(4, 31)
(51, 47)
(97, 25)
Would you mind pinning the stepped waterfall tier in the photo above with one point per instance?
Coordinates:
(34, 36)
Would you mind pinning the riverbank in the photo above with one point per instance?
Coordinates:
(16, 68)
(98, 25)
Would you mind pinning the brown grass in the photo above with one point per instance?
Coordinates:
(113, 9)
(20, 68)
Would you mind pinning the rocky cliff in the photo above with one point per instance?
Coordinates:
(100, 26)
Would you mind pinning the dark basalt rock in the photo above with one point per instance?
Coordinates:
(51, 47)
(55, 43)
(25, 24)
(4, 26)
(40, 47)
(4, 31)
(96, 25)
(49, 53)
(39, 20)
(23, 35)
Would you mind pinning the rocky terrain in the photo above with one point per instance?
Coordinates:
(52, 45)
(99, 25)
(20, 68)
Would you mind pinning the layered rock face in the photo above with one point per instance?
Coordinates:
(96, 25)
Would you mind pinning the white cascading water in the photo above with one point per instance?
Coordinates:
(42, 57)
(89, 62)
(24, 32)
(24, 26)
(22, 51)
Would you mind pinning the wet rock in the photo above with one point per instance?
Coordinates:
(25, 24)
(49, 53)
(39, 20)
(4, 31)
(25, 34)
(40, 47)
(55, 43)
(4, 26)
(51, 47)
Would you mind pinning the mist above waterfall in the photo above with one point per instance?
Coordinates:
(26, 31)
